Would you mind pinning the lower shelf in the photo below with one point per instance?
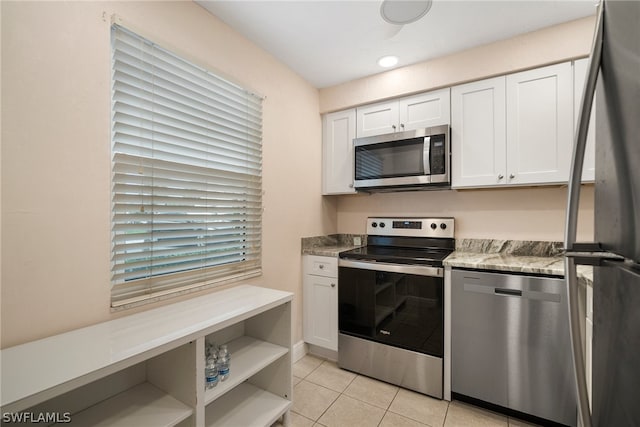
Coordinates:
(142, 405)
(246, 405)
(248, 356)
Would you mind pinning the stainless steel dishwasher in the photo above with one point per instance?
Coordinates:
(510, 344)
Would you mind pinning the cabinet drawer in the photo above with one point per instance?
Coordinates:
(320, 265)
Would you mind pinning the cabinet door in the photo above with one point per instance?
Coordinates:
(579, 77)
(425, 110)
(321, 311)
(478, 134)
(377, 119)
(338, 131)
(539, 125)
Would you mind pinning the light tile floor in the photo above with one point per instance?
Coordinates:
(325, 395)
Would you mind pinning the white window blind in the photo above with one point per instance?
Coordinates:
(186, 178)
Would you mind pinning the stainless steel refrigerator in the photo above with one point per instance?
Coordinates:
(615, 76)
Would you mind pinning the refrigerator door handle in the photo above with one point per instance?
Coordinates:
(591, 254)
(571, 224)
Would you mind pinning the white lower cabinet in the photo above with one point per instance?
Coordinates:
(320, 283)
(147, 369)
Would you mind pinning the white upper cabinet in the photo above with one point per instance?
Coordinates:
(425, 110)
(408, 113)
(579, 77)
(513, 130)
(338, 131)
(478, 133)
(509, 130)
(540, 125)
(377, 119)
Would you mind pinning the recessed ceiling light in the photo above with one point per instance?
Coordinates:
(388, 61)
(402, 12)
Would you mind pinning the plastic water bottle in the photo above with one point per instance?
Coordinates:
(223, 368)
(224, 362)
(211, 348)
(223, 351)
(211, 372)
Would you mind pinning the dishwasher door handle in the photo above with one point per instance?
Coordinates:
(525, 294)
(511, 292)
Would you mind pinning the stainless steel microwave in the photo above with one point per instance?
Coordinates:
(417, 159)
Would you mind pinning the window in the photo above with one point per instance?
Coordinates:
(186, 177)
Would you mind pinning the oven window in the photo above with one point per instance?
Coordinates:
(397, 309)
(390, 159)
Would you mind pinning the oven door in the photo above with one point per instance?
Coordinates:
(395, 304)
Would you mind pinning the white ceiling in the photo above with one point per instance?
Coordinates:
(330, 42)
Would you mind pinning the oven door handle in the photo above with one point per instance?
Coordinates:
(418, 270)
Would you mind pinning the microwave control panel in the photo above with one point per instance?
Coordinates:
(437, 155)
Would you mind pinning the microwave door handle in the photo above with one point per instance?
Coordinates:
(426, 154)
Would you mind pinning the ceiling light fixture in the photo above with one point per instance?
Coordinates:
(401, 12)
(388, 61)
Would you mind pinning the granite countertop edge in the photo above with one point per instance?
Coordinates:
(330, 251)
(331, 245)
(513, 256)
(550, 265)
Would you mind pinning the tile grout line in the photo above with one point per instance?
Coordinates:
(389, 406)
(446, 414)
(336, 399)
(386, 410)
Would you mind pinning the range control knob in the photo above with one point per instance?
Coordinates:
(443, 225)
(374, 224)
(382, 225)
(434, 226)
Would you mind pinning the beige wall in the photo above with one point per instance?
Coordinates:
(55, 194)
(518, 213)
(56, 154)
(547, 46)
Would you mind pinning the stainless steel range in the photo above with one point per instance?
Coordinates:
(391, 302)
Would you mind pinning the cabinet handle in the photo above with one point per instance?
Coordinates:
(333, 285)
(500, 176)
(402, 126)
(321, 266)
(512, 176)
(351, 185)
(394, 127)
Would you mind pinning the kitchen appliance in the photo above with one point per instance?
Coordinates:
(391, 302)
(510, 345)
(614, 69)
(417, 159)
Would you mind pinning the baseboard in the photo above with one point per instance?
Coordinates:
(322, 352)
(299, 350)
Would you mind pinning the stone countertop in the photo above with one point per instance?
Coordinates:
(506, 262)
(331, 245)
(514, 256)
